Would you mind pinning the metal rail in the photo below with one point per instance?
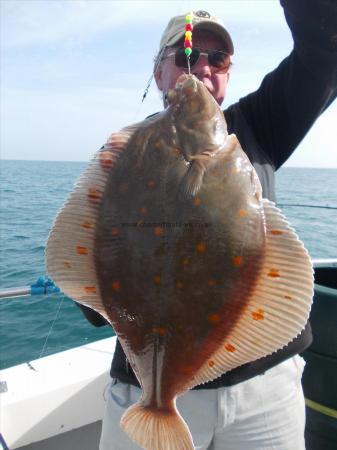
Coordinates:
(42, 286)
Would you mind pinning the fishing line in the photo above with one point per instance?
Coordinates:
(188, 65)
(158, 60)
(148, 85)
(308, 206)
(188, 40)
(52, 325)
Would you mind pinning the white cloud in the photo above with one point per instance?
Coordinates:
(71, 126)
(36, 22)
(67, 126)
(62, 105)
(28, 22)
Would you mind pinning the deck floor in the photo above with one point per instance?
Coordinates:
(84, 438)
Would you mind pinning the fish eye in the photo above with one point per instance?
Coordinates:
(171, 95)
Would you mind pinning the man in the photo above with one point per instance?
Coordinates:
(259, 405)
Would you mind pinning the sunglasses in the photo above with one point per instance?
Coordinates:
(217, 60)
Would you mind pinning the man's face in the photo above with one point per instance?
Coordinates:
(167, 73)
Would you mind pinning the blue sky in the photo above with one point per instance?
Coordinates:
(73, 71)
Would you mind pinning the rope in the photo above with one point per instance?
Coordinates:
(321, 408)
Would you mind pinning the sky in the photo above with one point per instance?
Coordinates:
(74, 71)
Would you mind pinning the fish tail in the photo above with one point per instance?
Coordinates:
(156, 429)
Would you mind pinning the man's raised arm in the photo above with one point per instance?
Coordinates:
(291, 97)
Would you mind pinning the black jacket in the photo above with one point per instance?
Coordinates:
(269, 124)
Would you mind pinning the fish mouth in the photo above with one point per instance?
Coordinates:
(187, 83)
(181, 79)
(205, 84)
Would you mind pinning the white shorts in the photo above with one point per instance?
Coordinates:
(266, 412)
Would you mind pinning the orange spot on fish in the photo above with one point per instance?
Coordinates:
(116, 286)
(214, 318)
(143, 210)
(123, 187)
(230, 348)
(211, 363)
(276, 232)
(67, 264)
(114, 231)
(237, 260)
(258, 314)
(196, 201)
(158, 231)
(90, 289)
(179, 284)
(87, 225)
(151, 184)
(81, 250)
(105, 159)
(211, 283)
(187, 370)
(94, 194)
(201, 247)
(157, 279)
(288, 297)
(242, 213)
(274, 273)
(157, 145)
(161, 331)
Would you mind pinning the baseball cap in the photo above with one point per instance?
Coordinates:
(201, 20)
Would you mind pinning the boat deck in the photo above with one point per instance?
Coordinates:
(84, 438)
(57, 402)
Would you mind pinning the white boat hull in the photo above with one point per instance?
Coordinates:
(55, 394)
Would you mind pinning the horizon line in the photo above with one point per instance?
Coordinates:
(88, 161)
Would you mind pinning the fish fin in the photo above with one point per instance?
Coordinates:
(192, 181)
(278, 308)
(155, 429)
(70, 245)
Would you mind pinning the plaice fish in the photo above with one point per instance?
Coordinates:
(167, 236)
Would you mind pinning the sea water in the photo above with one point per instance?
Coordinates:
(31, 194)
